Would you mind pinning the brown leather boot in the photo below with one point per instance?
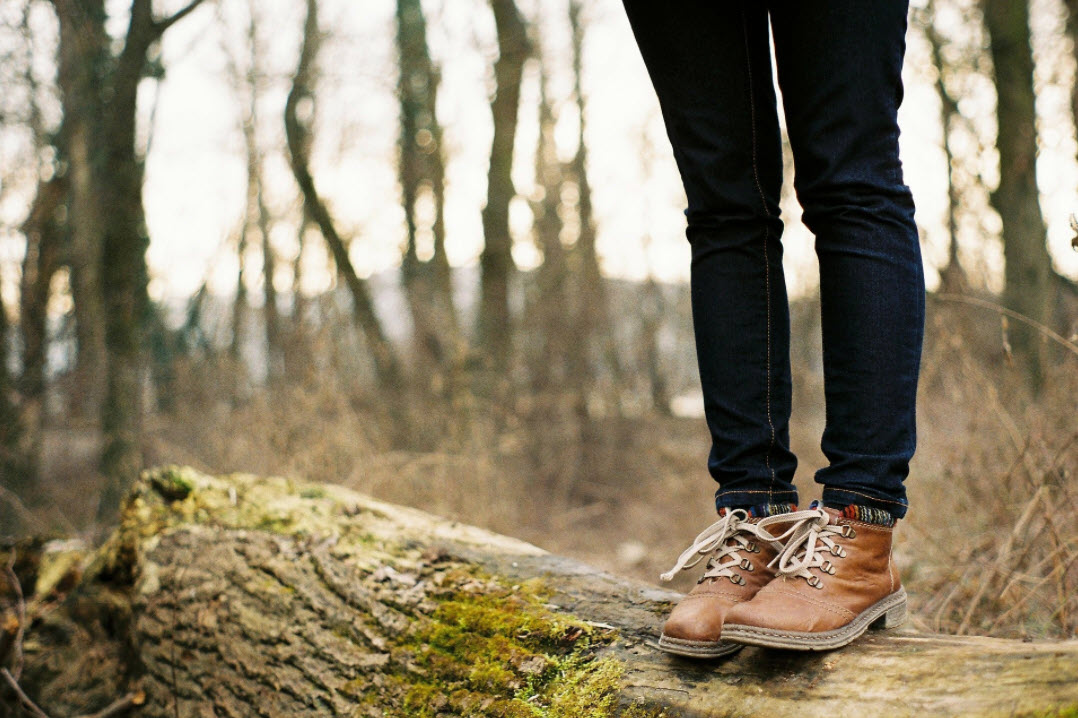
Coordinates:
(736, 570)
(835, 579)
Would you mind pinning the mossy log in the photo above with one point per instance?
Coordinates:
(247, 596)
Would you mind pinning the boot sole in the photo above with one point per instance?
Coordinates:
(889, 612)
(697, 649)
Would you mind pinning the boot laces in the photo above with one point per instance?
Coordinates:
(809, 538)
(723, 542)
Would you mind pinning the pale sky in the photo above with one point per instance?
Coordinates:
(195, 180)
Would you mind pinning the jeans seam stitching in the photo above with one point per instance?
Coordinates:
(767, 236)
(867, 496)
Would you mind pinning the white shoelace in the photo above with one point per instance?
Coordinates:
(805, 542)
(715, 541)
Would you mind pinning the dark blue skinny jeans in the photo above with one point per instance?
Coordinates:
(839, 68)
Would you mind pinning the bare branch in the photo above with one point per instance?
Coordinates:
(20, 608)
(978, 302)
(120, 704)
(30, 705)
(161, 25)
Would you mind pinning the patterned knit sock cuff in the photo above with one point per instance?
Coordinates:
(867, 514)
(761, 510)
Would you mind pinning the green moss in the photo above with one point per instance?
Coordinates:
(173, 483)
(1066, 712)
(493, 649)
(275, 524)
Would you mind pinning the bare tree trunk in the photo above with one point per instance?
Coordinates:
(295, 345)
(311, 600)
(412, 84)
(549, 364)
(952, 277)
(15, 471)
(239, 301)
(256, 213)
(496, 261)
(591, 333)
(385, 358)
(421, 168)
(109, 231)
(1028, 265)
(44, 240)
(299, 302)
(45, 231)
(124, 273)
(585, 244)
(443, 284)
(84, 66)
(270, 314)
(651, 325)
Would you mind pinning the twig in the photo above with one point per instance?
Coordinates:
(984, 303)
(131, 699)
(20, 608)
(22, 696)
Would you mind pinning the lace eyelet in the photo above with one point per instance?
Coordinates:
(745, 564)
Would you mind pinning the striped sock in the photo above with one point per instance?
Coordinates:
(759, 511)
(867, 514)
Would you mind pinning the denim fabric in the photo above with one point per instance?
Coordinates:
(839, 68)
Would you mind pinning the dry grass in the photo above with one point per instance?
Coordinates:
(990, 545)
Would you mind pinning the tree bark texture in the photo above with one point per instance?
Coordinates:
(1028, 272)
(245, 596)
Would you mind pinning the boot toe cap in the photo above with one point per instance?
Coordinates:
(697, 618)
(781, 610)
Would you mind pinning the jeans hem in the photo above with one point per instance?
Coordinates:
(835, 497)
(741, 499)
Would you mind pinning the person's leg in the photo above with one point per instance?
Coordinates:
(710, 64)
(840, 64)
(839, 68)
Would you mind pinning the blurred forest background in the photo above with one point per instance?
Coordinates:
(434, 251)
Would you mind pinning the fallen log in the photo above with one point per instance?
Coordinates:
(247, 596)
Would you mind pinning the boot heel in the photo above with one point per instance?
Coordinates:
(893, 618)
